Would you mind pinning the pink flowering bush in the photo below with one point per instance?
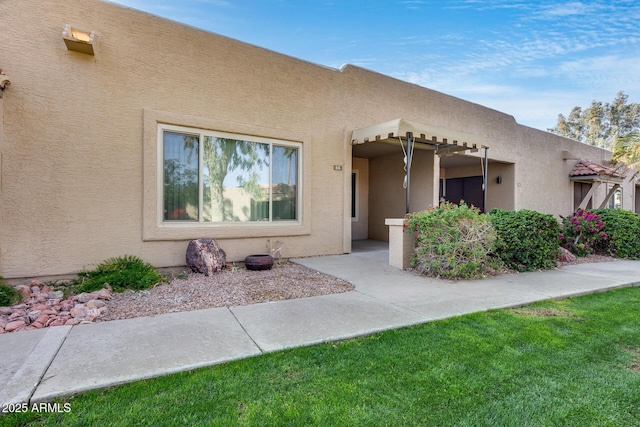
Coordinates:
(581, 231)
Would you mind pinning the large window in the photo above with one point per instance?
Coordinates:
(215, 177)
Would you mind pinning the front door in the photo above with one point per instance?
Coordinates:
(467, 188)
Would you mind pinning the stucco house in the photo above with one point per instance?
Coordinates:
(125, 133)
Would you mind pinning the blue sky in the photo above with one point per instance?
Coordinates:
(530, 59)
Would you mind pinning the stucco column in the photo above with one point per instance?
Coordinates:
(400, 243)
(436, 180)
(1, 151)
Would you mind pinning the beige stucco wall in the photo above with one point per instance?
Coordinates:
(387, 196)
(360, 224)
(76, 166)
(501, 195)
(79, 150)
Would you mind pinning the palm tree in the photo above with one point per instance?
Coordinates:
(626, 150)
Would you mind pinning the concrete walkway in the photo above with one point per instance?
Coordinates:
(38, 366)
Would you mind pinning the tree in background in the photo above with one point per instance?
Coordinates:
(600, 124)
(626, 150)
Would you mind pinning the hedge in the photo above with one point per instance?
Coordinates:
(527, 240)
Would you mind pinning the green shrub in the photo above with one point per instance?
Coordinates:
(623, 233)
(581, 232)
(452, 241)
(8, 295)
(126, 272)
(527, 240)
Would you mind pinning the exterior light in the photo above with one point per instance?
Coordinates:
(78, 40)
(4, 82)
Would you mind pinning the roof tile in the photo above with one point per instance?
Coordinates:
(588, 168)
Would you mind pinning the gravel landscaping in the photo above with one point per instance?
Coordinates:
(231, 287)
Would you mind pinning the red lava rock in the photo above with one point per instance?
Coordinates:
(96, 303)
(45, 307)
(17, 313)
(566, 256)
(56, 295)
(92, 314)
(104, 294)
(34, 314)
(54, 322)
(79, 310)
(12, 326)
(25, 291)
(42, 319)
(84, 297)
(66, 305)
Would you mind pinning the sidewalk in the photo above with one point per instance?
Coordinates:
(38, 366)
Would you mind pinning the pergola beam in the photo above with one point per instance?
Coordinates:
(589, 195)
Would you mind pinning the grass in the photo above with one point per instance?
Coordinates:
(566, 363)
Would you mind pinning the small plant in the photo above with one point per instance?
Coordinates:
(182, 275)
(8, 295)
(527, 240)
(275, 250)
(580, 232)
(232, 267)
(120, 273)
(453, 241)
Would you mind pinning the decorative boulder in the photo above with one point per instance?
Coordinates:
(566, 256)
(205, 256)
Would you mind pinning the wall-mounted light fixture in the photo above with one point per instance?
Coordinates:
(78, 40)
(4, 82)
(499, 179)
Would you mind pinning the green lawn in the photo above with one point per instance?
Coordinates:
(574, 362)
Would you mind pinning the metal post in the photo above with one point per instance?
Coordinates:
(484, 179)
(408, 158)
